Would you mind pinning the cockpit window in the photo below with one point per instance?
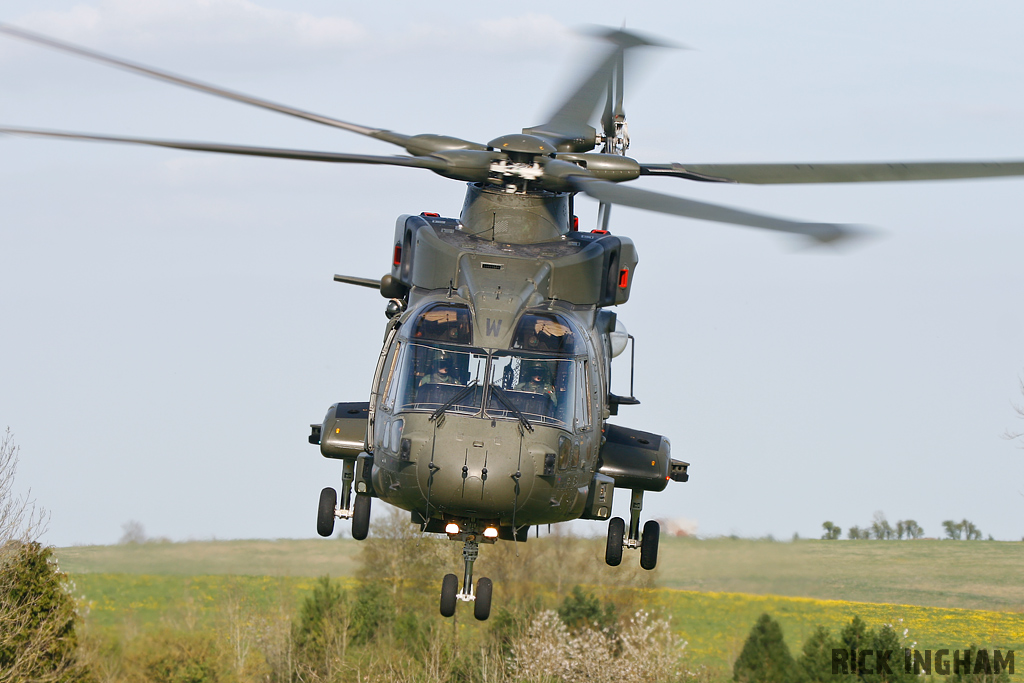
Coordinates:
(542, 389)
(545, 333)
(447, 323)
(429, 376)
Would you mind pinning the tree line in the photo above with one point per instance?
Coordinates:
(881, 530)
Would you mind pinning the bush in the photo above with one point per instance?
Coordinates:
(580, 609)
(645, 649)
(174, 657)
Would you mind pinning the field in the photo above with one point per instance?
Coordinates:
(948, 594)
(967, 575)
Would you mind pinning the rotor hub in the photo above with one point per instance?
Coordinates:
(521, 147)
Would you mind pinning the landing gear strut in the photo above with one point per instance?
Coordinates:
(481, 599)
(618, 539)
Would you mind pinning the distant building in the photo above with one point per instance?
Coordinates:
(678, 527)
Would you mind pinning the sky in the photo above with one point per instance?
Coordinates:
(171, 328)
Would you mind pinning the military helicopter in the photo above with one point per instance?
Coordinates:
(489, 407)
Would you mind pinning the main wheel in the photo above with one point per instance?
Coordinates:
(482, 606)
(616, 531)
(649, 545)
(449, 589)
(325, 513)
(361, 517)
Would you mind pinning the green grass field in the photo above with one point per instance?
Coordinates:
(983, 575)
(948, 594)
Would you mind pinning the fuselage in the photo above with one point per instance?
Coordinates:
(490, 396)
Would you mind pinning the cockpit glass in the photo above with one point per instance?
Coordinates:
(540, 388)
(429, 376)
(545, 333)
(446, 323)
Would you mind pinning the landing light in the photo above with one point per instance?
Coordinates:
(452, 528)
(490, 532)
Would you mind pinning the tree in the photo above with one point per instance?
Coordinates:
(856, 533)
(37, 615)
(964, 529)
(885, 639)
(880, 527)
(971, 532)
(20, 519)
(765, 658)
(832, 532)
(815, 662)
(981, 664)
(37, 619)
(132, 533)
(1019, 409)
(909, 528)
(321, 632)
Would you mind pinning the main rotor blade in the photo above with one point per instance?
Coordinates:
(613, 104)
(571, 119)
(620, 84)
(380, 134)
(769, 174)
(334, 157)
(612, 193)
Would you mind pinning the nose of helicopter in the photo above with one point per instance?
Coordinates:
(478, 468)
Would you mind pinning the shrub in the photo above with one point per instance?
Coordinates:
(174, 657)
(644, 650)
(580, 609)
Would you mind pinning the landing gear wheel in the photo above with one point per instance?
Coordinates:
(449, 591)
(649, 545)
(613, 551)
(482, 605)
(325, 513)
(361, 517)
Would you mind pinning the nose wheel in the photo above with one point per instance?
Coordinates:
(619, 540)
(481, 598)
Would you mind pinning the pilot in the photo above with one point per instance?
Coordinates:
(444, 370)
(535, 377)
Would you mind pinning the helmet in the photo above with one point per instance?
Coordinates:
(535, 371)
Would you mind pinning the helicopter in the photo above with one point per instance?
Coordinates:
(489, 408)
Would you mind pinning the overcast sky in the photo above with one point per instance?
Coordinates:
(170, 327)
